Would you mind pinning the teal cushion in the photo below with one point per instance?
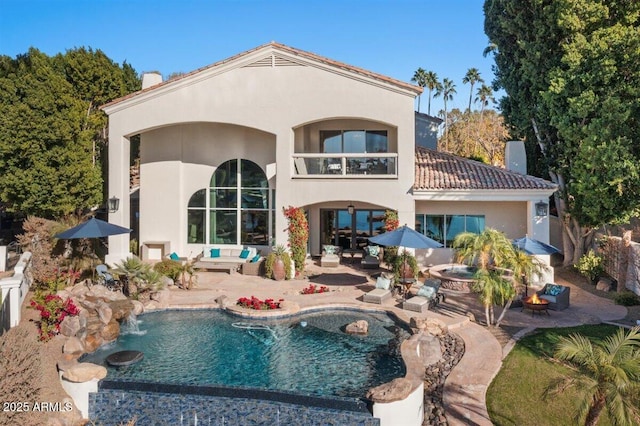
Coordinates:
(215, 252)
(553, 290)
(244, 254)
(373, 250)
(329, 249)
(426, 291)
(383, 283)
(174, 256)
(255, 258)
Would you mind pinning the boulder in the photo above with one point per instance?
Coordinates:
(166, 281)
(84, 372)
(151, 306)
(92, 342)
(70, 326)
(604, 284)
(111, 331)
(138, 307)
(395, 390)
(224, 302)
(104, 312)
(94, 325)
(73, 345)
(121, 309)
(429, 325)
(357, 327)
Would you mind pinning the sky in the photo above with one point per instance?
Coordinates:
(389, 37)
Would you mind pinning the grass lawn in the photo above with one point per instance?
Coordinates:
(515, 397)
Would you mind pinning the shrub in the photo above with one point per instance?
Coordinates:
(169, 268)
(313, 289)
(626, 298)
(257, 304)
(298, 235)
(52, 311)
(591, 266)
(400, 260)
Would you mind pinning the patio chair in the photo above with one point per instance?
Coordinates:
(557, 296)
(106, 279)
(372, 257)
(427, 297)
(381, 293)
(330, 256)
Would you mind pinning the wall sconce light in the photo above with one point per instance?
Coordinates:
(350, 208)
(542, 209)
(114, 203)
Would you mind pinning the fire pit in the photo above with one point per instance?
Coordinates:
(535, 304)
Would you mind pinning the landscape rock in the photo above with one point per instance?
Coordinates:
(395, 390)
(166, 281)
(92, 342)
(138, 307)
(70, 326)
(429, 325)
(604, 284)
(73, 345)
(151, 306)
(104, 312)
(84, 372)
(111, 331)
(162, 297)
(121, 309)
(357, 327)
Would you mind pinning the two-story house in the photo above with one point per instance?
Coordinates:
(225, 148)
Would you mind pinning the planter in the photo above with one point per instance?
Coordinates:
(279, 272)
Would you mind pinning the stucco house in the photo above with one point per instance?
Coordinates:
(225, 148)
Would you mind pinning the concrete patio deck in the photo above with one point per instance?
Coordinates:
(466, 386)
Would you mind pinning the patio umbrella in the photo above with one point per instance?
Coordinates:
(405, 237)
(93, 228)
(531, 246)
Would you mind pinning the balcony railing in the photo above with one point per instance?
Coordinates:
(345, 165)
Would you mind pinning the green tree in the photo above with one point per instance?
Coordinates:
(484, 95)
(420, 78)
(572, 78)
(49, 126)
(472, 77)
(607, 376)
(447, 89)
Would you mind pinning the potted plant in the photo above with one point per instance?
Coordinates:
(278, 264)
(405, 266)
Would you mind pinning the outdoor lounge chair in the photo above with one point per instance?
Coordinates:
(372, 257)
(106, 279)
(330, 256)
(381, 293)
(428, 297)
(557, 296)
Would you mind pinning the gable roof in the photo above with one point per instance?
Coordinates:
(442, 171)
(277, 47)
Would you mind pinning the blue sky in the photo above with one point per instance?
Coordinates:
(390, 37)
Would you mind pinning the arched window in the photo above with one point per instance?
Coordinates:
(229, 221)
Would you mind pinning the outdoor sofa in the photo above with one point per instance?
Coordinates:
(225, 257)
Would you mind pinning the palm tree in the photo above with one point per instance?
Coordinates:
(609, 376)
(431, 83)
(472, 77)
(447, 89)
(484, 95)
(494, 255)
(420, 78)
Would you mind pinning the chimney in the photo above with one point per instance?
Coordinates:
(515, 157)
(151, 79)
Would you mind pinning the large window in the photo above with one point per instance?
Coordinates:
(354, 141)
(235, 209)
(340, 228)
(444, 228)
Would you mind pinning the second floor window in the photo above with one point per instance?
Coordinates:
(354, 141)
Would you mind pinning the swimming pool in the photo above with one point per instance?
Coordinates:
(308, 353)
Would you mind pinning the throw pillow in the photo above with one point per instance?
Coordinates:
(426, 291)
(244, 254)
(373, 250)
(255, 258)
(329, 249)
(174, 256)
(554, 290)
(383, 283)
(215, 252)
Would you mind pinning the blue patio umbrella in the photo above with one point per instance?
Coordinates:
(531, 246)
(405, 237)
(93, 228)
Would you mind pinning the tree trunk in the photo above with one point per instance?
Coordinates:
(594, 412)
(625, 257)
(487, 315)
(504, 311)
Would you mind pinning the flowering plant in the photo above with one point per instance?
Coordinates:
(298, 235)
(391, 221)
(312, 289)
(52, 311)
(257, 304)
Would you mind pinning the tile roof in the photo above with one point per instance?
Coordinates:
(291, 50)
(441, 171)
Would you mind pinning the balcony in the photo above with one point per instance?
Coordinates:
(356, 166)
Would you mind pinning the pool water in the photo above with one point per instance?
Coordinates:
(308, 353)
